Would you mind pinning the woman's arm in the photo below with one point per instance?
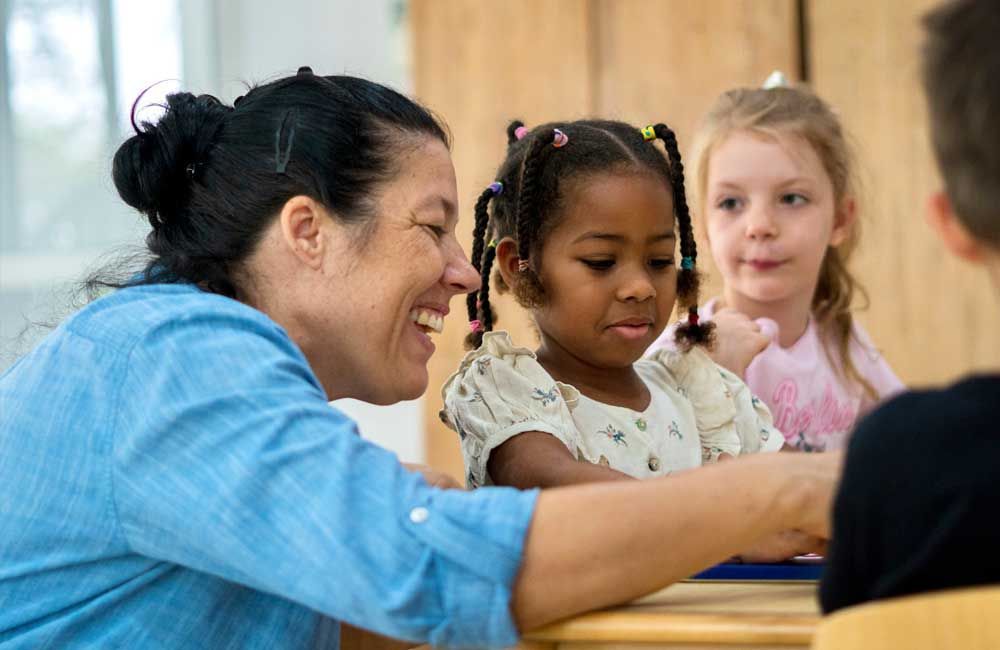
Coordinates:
(535, 459)
(596, 545)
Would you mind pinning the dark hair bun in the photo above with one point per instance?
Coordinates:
(153, 169)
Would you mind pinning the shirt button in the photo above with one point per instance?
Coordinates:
(654, 464)
(419, 515)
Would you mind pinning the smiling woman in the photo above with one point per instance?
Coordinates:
(171, 470)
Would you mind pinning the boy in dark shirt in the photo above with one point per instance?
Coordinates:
(918, 506)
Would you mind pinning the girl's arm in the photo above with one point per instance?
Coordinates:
(535, 459)
(597, 545)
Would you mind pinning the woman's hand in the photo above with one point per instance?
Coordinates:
(782, 546)
(737, 340)
(433, 477)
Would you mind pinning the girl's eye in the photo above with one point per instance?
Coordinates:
(661, 263)
(728, 203)
(599, 265)
(793, 199)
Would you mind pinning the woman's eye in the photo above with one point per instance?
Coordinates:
(793, 199)
(728, 203)
(660, 263)
(599, 265)
(437, 231)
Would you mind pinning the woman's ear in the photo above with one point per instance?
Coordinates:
(951, 231)
(843, 221)
(301, 221)
(506, 261)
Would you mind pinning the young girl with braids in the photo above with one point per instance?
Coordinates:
(775, 186)
(582, 224)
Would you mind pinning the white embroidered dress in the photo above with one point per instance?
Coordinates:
(697, 411)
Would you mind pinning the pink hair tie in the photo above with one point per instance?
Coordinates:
(520, 132)
(559, 139)
(522, 265)
(475, 326)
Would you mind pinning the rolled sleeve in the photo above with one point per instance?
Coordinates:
(243, 471)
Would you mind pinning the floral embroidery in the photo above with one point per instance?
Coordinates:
(803, 445)
(476, 397)
(754, 401)
(603, 460)
(545, 396)
(482, 363)
(765, 435)
(675, 431)
(640, 424)
(614, 435)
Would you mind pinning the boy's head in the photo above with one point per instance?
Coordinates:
(961, 77)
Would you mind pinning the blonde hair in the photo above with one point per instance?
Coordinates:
(796, 111)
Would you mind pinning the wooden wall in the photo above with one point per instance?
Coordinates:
(480, 64)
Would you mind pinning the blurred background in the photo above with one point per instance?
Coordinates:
(72, 68)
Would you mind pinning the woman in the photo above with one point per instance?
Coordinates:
(172, 474)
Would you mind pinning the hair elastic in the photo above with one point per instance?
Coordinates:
(693, 317)
(496, 187)
(687, 263)
(648, 132)
(193, 169)
(522, 265)
(475, 325)
(520, 132)
(776, 79)
(559, 139)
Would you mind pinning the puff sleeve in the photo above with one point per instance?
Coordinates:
(729, 418)
(499, 391)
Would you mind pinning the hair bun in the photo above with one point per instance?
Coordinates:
(150, 169)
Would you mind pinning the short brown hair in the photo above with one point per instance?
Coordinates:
(961, 77)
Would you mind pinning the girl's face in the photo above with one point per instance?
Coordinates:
(608, 269)
(771, 215)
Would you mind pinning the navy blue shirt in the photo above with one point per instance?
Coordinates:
(917, 507)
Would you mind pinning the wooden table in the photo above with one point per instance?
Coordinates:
(694, 616)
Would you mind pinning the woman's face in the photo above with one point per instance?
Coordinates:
(385, 292)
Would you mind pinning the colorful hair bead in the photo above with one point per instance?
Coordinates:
(693, 317)
(687, 263)
(648, 132)
(496, 187)
(520, 132)
(522, 265)
(492, 244)
(476, 325)
(559, 139)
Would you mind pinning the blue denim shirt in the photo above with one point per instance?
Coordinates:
(171, 476)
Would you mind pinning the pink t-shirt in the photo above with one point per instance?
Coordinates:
(812, 405)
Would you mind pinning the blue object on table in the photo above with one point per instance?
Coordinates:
(780, 571)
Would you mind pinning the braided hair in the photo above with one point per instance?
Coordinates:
(534, 179)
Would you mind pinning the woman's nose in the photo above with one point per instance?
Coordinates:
(459, 274)
(760, 223)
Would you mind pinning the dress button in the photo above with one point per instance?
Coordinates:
(654, 464)
(419, 515)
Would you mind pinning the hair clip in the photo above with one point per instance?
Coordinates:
(496, 187)
(687, 263)
(281, 158)
(648, 132)
(520, 132)
(475, 326)
(559, 139)
(192, 170)
(492, 244)
(522, 265)
(304, 70)
(776, 79)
